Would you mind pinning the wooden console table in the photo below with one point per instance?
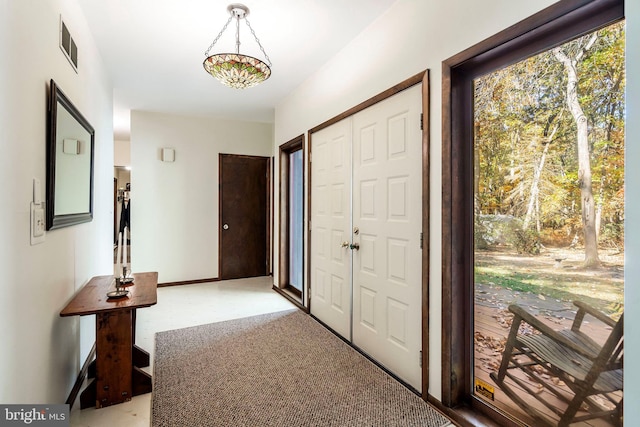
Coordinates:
(118, 376)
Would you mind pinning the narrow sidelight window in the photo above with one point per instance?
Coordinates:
(296, 195)
(291, 244)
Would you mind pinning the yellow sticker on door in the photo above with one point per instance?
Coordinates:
(484, 389)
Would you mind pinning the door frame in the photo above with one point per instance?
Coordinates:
(268, 211)
(282, 286)
(551, 26)
(422, 77)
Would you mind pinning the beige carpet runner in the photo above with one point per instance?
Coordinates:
(281, 369)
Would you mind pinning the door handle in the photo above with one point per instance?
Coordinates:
(225, 227)
(344, 245)
(355, 246)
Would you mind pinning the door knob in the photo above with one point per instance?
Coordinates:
(225, 227)
(344, 244)
(355, 246)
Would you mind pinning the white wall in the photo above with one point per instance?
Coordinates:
(414, 35)
(174, 206)
(121, 152)
(40, 352)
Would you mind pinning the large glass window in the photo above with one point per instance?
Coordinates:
(548, 218)
(533, 219)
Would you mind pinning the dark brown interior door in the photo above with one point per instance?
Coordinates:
(244, 213)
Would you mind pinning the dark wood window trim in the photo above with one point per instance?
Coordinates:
(550, 27)
(284, 287)
(421, 77)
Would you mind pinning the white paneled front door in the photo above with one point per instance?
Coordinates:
(331, 227)
(387, 211)
(366, 216)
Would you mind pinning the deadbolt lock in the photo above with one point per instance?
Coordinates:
(356, 230)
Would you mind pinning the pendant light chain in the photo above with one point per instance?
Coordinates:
(238, 35)
(256, 37)
(219, 35)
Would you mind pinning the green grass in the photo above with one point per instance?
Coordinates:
(603, 296)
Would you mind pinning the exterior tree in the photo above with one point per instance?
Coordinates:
(534, 201)
(584, 164)
(527, 163)
(602, 83)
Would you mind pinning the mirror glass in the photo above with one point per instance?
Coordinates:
(121, 210)
(69, 163)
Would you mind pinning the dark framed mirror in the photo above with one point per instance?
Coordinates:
(70, 151)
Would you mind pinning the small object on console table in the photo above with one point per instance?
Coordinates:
(120, 292)
(126, 278)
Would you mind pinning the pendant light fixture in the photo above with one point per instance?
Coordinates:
(234, 69)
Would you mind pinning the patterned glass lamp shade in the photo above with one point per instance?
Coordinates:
(234, 69)
(237, 71)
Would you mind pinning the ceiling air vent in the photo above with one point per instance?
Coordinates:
(68, 45)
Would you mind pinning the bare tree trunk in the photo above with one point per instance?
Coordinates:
(534, 194)
(538, 224)
(591, 258)
(535, 185)
(599, 207)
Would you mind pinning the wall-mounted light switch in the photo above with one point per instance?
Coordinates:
(37, 223)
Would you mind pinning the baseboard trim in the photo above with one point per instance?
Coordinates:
(73, 395)
(188, 282)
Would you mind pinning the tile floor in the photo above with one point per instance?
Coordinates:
(181, 307)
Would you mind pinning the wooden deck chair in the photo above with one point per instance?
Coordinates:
(571, 356)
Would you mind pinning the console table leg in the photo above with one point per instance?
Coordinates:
(141, 382)
(114, 348)
(141, 358)
(88, 396)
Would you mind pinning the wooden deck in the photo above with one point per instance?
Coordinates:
(492, 326)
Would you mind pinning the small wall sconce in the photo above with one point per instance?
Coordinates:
(71, 146)
(168, 155)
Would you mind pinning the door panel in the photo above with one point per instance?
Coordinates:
(387, 274)
(244, 213)
(371, 293)
(331, 226)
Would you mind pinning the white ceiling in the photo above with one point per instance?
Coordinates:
(154, 49)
